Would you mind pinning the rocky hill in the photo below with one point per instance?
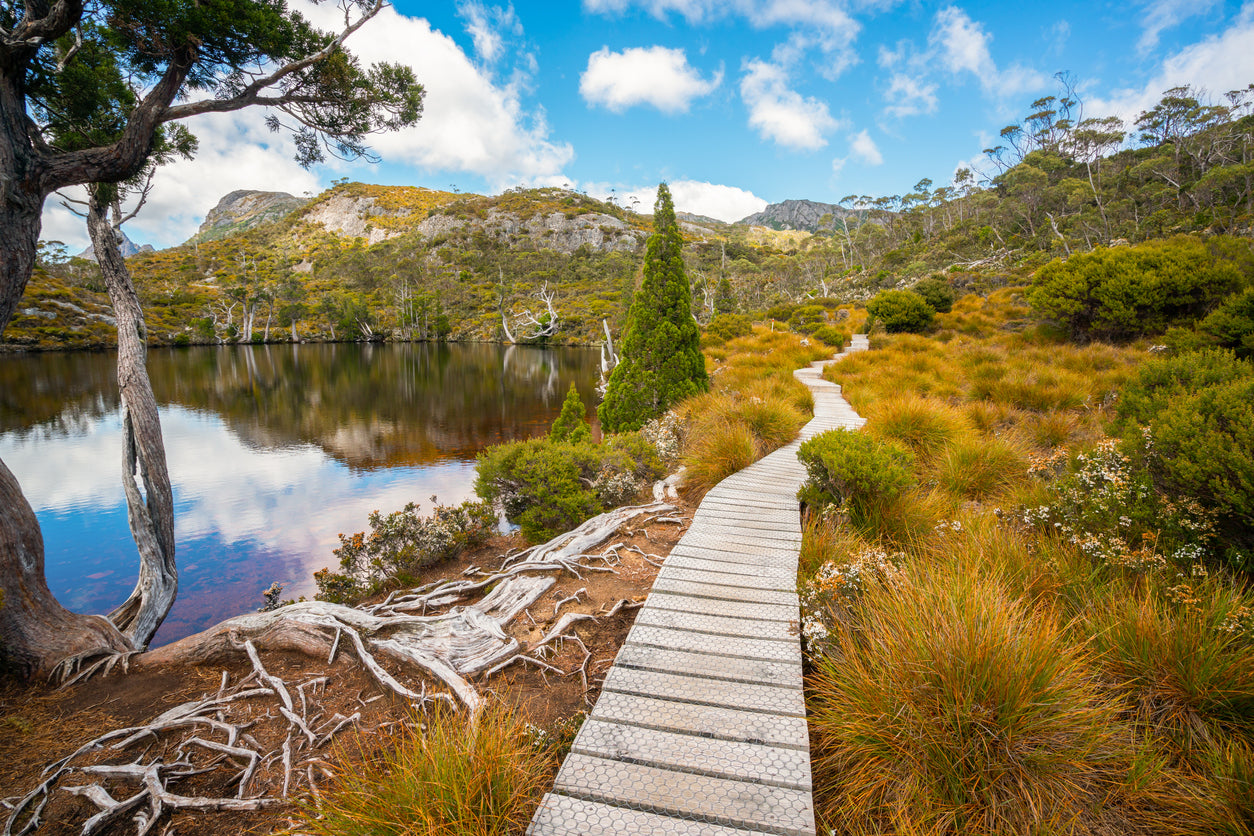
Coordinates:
(363, 261)
(244, 209)
(128, 248)
(798, 214)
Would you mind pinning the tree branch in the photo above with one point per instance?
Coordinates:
(251, 94)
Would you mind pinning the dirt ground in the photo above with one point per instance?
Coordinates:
(39, 726)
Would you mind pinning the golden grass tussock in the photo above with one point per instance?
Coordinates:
(716, 449)
(446, 777)
(981, 468)
(925, 425)
(957, 708)
(1183, 656)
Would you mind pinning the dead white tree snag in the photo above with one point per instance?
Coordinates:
(534, 326)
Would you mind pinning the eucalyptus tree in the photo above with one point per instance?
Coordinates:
(88, 95)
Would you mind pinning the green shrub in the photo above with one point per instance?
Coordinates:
(1231, 325)
(937, 293)
(548, 487)
(1203, 449)
(539, 484)
(901, 311)
(729, 326)
(807, 318)
(1124, 292)
(831, 335)
(401, 543)
(1165, 379)
(853, 470)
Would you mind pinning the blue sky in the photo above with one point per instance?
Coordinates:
(736, 103)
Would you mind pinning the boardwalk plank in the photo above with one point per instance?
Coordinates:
(700, 726)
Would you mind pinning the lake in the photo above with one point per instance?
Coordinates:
(273, 451)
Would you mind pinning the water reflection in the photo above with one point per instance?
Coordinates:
(273, 450)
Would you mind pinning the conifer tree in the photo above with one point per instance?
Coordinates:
(570, 425)
(661, 361)
(724, 298)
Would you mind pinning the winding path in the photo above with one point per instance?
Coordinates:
(700, 728)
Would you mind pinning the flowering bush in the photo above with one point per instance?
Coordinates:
(665, 434)
(1107, 506)
(826, 597)
(401, 543)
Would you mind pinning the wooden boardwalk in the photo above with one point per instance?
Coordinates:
(700, 728)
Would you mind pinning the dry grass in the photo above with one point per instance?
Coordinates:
(446, 778)
(1008, 681)
(958, 708)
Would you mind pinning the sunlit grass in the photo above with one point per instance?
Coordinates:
(451, 777)
(980, 468)
(933, 693)
(958, 709)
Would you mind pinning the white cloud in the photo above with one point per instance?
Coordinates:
(864, 148)
(1217, 64)
(654, 76)
(959, 46)
(909, 95)
(471, 124)
(1161, 15)
(781, 114)
(962, 46)
(825, 25)
(723, 203)
(272, 490)
(487, 27)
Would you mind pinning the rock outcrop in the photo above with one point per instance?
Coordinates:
(797, 214)
(246, 208)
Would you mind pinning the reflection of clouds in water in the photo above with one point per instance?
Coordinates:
(290, 503)
(85, 470)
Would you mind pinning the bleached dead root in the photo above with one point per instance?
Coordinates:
(408, 630)
(148, 761)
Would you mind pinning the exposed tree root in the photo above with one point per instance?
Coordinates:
(407, 630)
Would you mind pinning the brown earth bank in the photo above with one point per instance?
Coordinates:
(348, 715)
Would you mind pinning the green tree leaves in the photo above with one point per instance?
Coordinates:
(661, 356)
(1124, 292)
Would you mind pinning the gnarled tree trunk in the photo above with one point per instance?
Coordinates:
(35, 631)
(150, 511)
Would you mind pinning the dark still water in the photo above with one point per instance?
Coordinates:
(273, 450)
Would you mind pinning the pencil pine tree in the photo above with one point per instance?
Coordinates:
(570, 425)
(661, 361)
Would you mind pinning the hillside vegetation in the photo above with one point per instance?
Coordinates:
(375, 262)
